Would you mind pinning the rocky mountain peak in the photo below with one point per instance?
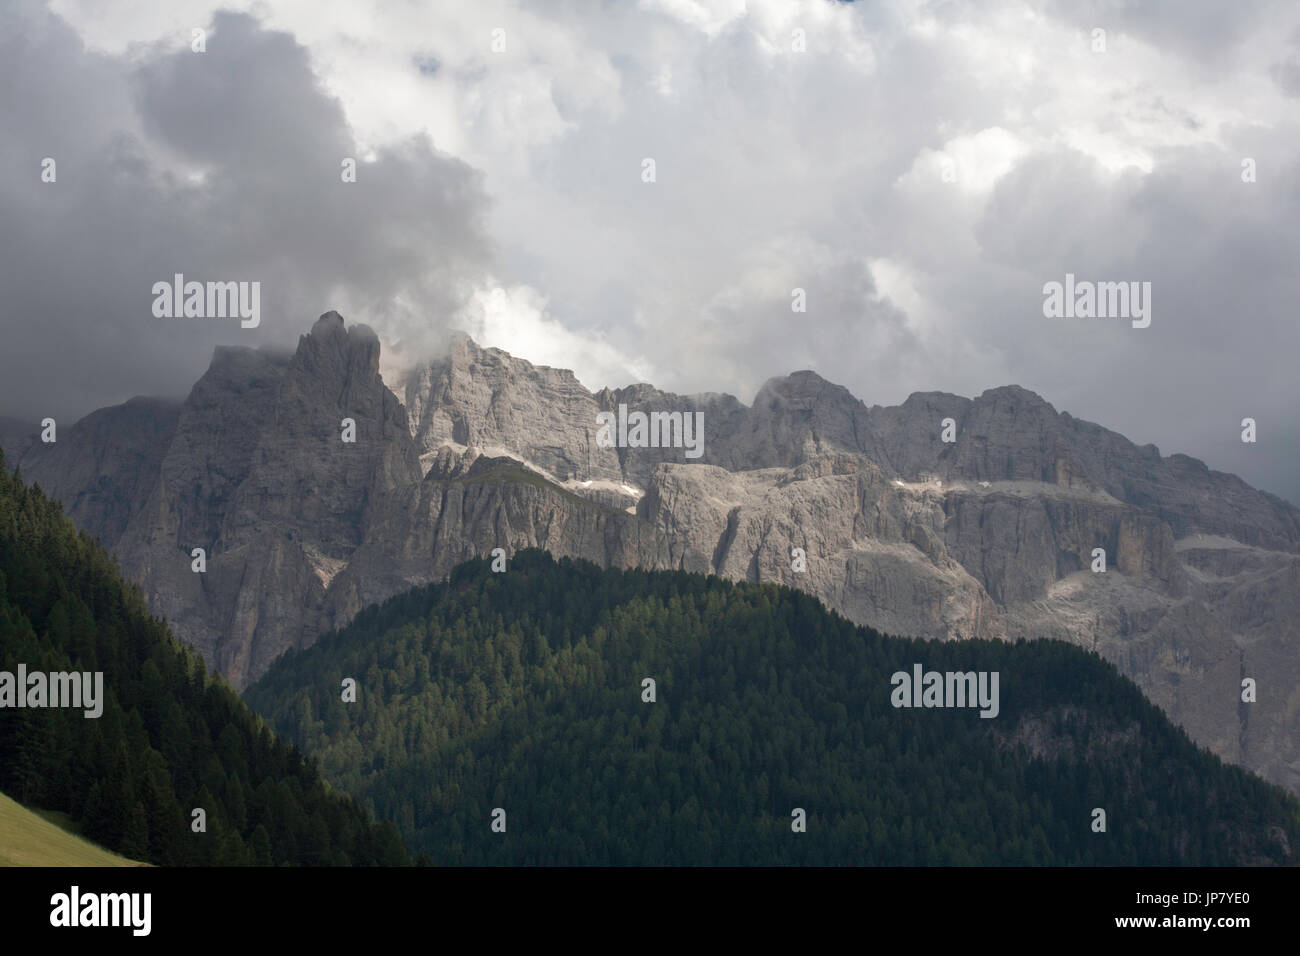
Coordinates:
(328, 323)
(1014, 395)
(803, 391)
(332, 350)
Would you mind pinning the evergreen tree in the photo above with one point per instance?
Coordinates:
(135, 843)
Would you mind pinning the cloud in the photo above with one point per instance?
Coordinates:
(223, 165)
(515, 319)
(816, 164)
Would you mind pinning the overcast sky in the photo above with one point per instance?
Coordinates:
(919, 169)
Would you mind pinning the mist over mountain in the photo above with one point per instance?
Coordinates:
(992, 534)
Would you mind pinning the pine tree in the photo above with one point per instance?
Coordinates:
(135, 842)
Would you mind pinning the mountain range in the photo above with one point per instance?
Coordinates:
(990, 535)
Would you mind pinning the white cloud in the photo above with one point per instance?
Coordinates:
(515, 320)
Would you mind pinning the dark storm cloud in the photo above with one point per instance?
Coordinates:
(221, 165)
(1216, 251)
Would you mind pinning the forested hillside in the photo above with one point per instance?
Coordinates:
(171, 737)
(523, 691)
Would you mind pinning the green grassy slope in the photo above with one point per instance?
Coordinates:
(29, 839)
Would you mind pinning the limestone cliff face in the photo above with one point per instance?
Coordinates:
(256, 474)
(487, 399)
(102, 468)
(988, 536)
(472, 504)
